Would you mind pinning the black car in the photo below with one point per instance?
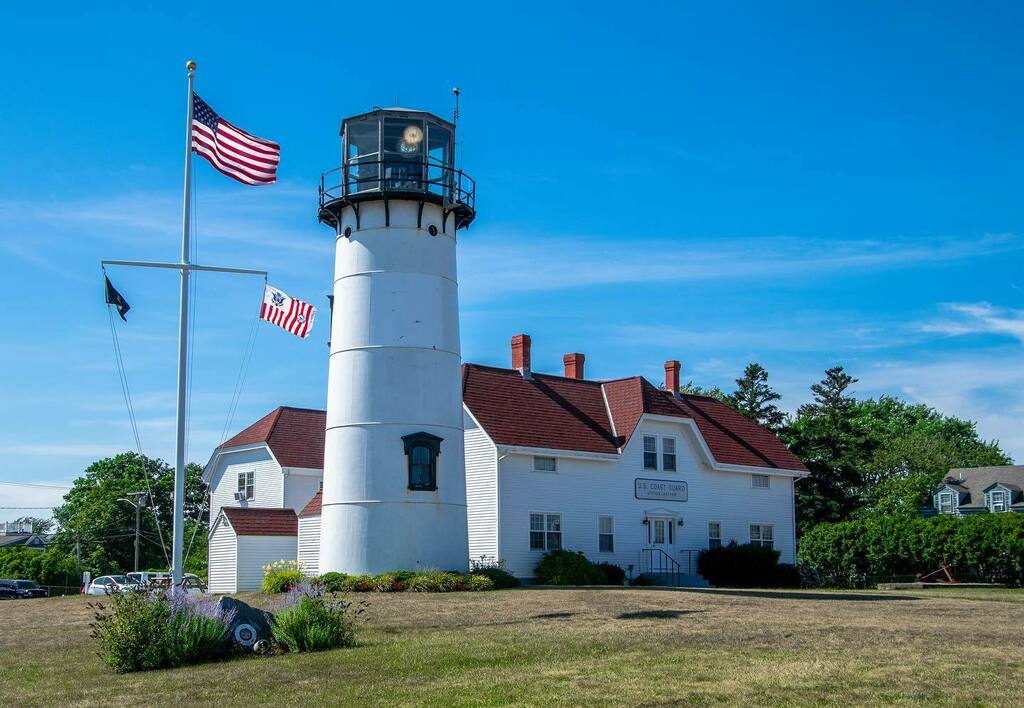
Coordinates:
(27, 589)
(8, 590)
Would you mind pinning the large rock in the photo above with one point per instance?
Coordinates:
(250, 625)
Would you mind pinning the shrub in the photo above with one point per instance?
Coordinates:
(613, 573)
(744, 566)
(333, 582)
(642, 581)
(568, 568)
(499, 578)
(281, 575)
(436, 581)
(358, 583)
(985, 547)
(476, 583)
(153, 631)
(396, 581)
(787, 575)
(314, 621)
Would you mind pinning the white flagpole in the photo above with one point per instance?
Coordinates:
(179, 460)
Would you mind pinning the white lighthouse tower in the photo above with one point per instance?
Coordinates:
(394, 494)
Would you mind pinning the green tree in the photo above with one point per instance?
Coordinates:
(914, 448)
(39, 525)
(824, 438)
(755, 399)
(872, 456)
(714, 392)
(105, 528)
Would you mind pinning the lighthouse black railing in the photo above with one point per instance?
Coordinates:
(362, 178)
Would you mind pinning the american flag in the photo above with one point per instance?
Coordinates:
(231, 150)
(286, 312)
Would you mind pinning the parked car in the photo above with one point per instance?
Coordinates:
(29, 589)
(8, 590)
(107, 584)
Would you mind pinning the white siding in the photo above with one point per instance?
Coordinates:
(583, 490)
(222, 561)
(481, 492)
(268, 484)
(300, 486)
(309, 544)
(254, 552)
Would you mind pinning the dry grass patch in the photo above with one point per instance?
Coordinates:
(604, 647)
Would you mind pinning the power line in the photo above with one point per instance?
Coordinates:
(36, 486)
(34, 508)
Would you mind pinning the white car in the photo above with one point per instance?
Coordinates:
(107, 584)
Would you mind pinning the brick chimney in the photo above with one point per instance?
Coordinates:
(521, 354)
(672, 376)
(574, 365)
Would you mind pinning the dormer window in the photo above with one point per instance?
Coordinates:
(421, 450)
(997, 501)
(946, 505)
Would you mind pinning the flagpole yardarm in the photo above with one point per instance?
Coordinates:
(178, 539)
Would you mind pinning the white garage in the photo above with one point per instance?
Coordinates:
(242, 541)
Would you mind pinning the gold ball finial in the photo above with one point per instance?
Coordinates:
(190, 65)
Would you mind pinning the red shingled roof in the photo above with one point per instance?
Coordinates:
(313, 508)
(543, 411)
(295, 435)
(570, 414)
(262, 522)
(551, 412)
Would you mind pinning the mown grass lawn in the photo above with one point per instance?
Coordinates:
(592, 647)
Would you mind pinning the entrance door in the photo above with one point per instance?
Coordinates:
(662, 531)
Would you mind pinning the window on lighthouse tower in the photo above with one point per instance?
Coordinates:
(421, 450)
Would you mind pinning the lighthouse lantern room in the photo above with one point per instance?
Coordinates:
(394, 491)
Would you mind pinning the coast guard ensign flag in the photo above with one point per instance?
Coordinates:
(286, 312)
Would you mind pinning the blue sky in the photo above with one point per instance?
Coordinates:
(799, 184)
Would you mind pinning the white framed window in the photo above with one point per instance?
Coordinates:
(714, 534)
(946, 502)
(545, 532)
(997, 501)
(606, 534)
(668, 454)
(659, 531)
(650, 452)
(760, 481)
(762, 535)
(545, 464)
(320, 488)
(246, 484)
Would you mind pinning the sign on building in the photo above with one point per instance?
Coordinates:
(661, 489)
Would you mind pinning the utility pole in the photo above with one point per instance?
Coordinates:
(138, 505)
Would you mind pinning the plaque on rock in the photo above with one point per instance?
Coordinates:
(250, 625)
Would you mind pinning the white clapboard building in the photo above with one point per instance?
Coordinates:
(421, 461)
(623, 470)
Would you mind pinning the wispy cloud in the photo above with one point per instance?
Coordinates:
(500, 263)
(978, 318)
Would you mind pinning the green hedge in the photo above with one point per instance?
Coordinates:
(44, 567)
(568, 568)
(746, 566)
(982, 547)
